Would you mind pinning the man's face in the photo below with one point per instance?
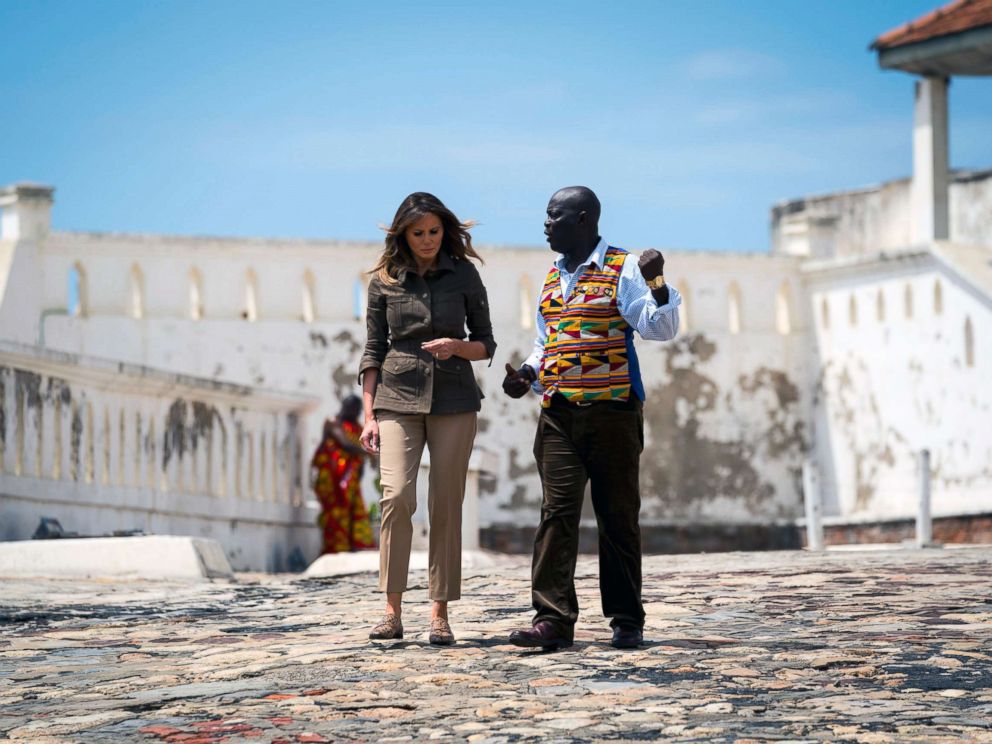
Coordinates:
(563, 224)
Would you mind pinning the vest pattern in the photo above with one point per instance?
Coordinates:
(585, 355)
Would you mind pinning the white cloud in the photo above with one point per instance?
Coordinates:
(730, 64)
(774, 109)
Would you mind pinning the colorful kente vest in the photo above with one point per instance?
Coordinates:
(586, 353)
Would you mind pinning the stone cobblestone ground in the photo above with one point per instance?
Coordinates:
(851, 646)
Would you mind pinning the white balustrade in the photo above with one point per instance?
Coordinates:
(105, 446)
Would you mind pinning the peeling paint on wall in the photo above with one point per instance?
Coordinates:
(29, 386)
(845, 387)
(183, 433)
(345, 338)
(785, 434)
(684, 465)
(4, 373)
(76, 441)
(516, 469)
(522, 497)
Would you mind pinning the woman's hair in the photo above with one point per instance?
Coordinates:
(396, 257)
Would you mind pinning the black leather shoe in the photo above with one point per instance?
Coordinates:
(543, 635)
(627, 636)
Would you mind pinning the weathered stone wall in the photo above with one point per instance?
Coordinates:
(894, 376)
(865, 221)
(973, 529)
(751, 386)
(725, 411)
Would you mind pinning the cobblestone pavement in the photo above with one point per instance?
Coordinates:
(891, 646)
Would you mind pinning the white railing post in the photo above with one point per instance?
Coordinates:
(924, 520)
(814, 507)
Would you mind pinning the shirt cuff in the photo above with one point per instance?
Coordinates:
(490, 343)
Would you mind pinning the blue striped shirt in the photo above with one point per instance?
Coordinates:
(634, 300)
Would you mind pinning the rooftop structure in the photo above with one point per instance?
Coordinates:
(955, 39)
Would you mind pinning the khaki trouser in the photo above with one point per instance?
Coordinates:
(449, 438)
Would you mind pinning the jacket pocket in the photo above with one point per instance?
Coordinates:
(399, 377)
(456, 380)
(397, 312)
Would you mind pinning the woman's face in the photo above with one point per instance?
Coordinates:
(424, 238)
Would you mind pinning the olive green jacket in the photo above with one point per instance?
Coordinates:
(403, 316)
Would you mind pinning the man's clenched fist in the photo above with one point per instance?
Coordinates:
(651, 263)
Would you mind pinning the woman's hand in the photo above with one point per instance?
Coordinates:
(370, 436)
(443, 348)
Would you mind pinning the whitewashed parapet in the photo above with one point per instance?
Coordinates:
(106, 445)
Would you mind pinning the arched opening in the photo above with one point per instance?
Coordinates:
(309, 297)
(907, 301)
(359, 295)
(137, 308)
(852, 310)
(195, 294)
(783, 310)
(938, 298)
(77, 297)
(969, 343)
(250, 313)
(880, 306)
(734, 308)
(525, 303)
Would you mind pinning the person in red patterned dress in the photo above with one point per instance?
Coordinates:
(336, 474)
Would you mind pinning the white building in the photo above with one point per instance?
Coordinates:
(861, 339)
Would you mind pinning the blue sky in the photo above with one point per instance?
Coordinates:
(314, 119)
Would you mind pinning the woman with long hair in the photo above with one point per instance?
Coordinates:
(419, 389)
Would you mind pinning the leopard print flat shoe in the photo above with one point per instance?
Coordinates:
(389, 628)
(441, 634)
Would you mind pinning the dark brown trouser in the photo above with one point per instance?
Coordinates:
(600, 443)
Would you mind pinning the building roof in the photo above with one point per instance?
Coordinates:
(953, 18)
(955, 39)
(971, 264)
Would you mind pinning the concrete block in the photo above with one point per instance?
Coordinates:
(148, 557)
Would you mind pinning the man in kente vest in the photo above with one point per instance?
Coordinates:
(585, 368)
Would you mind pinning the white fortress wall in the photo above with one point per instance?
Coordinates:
(759, 377)
(877, 218)
(724, 419)
(904, 359)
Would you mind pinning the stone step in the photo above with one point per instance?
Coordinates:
(169, 557)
